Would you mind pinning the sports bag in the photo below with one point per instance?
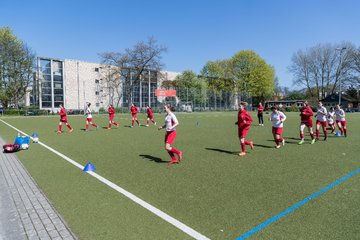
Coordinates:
(10, 148)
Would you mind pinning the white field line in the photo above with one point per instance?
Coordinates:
(129, 195)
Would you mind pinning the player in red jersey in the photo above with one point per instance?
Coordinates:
(111, 111)
(170, 123)
(277, 118)
(150, 116)
(260, 114)
(63, 119)
(134, 111)
(321, 121)
(306, 114)
(244, 121)
(340, 119)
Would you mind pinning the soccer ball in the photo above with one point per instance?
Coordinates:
(35, 139)
(24, 146)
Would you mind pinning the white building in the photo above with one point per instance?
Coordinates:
(73, 83)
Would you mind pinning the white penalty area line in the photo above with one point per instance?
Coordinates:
(176, 223)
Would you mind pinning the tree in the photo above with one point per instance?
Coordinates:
(356, 64)
(321, 68)
(252, 74)
(296, 95)
(111, 82)
(217, 76)
(352, 92)
(16, 68)
(190, 87)
(133, 63)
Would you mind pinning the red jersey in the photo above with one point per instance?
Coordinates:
(111, 110)
(306, 113)
(62, 114)
(133, 109)
(260, 109)
(149, 111)
(244, 118)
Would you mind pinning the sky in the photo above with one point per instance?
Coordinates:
(194, 31)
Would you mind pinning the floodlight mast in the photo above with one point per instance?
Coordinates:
(341, 51)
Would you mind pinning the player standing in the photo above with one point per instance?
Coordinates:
(134, 111)
(306, 114)
(260, 114)
(150, 116)
(244, 121)
(63, 119)
(340, 119)
(330, 120)
(277, 118)
(89, 118)
(111, 111)
(170, 123)
(321, 121)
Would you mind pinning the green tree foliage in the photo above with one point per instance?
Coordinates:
(16, 68)
(296, 95)
(190, 87)
(352, 92)
(252, 74)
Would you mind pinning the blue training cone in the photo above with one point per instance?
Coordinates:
(338, 134)
(89, 167)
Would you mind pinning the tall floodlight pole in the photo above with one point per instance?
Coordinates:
(341, 51)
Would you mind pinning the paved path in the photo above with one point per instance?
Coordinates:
(25, 212)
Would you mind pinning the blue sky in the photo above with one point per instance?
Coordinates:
(195, 31)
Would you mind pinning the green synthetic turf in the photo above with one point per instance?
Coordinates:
(213, 190)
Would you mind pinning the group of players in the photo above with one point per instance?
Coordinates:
(323, 117)
(111, 110)
(170, 123)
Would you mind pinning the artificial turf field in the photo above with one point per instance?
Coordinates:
(213, 190)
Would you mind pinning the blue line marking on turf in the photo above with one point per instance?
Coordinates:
(294, 207)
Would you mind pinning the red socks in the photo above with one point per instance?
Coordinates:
(174, 150)
(172, 155)
(243, 147)
(60, 128)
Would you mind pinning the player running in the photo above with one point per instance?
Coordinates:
(150, 116)
(89, 118)
(244, 121)
(277, 118)
(306, 114)
(330, 120)
(340, 119)
(111, 111)
(134, 111)
(170, 123)
(321, 121)
(63, 119)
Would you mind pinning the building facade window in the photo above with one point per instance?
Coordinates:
(51, 83)
(141, 91)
